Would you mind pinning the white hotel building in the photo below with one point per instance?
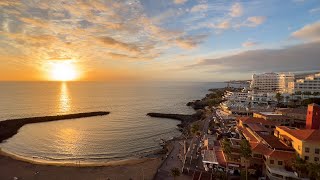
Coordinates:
(310, 83)
(272, 82)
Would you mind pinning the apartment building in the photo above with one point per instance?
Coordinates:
(267, 82)
(272, 82)
(310, 83)
(306, 142)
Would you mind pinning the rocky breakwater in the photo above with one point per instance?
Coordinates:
(10, 127)
(185, 119)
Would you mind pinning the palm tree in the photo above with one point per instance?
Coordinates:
(175, 172)
(279, 97)
(245, 150)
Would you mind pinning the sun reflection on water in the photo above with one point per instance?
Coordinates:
(65, 100)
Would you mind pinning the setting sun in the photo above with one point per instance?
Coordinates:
(63, 71)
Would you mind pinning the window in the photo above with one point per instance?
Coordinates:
(271, 161)
(316, 159)
(306, 158)
(316, 151)
(307, 150)
(280, 163)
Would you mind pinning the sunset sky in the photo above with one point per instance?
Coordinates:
(187, 40)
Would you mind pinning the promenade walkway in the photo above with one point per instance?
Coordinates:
(164, 172)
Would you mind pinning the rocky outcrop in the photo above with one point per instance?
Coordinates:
(198, 104)
(10, 127)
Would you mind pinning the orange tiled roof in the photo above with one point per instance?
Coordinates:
(247, 134)
(220, 158)
(302, 111)
(256, 120)
(275, 143)
(281, 155)
(260, 148)
(303, 134)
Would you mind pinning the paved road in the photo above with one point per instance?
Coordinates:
(172, 161)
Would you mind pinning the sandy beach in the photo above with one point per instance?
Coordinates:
(144, 168)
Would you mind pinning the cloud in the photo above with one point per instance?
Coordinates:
(35, 22)
(310, 32)
(249, 44)
(314, 10)
(180, 1)
(111, 43)
(223, 25)
(301, 57)
(255, 20)
(199, 8)
(189, 42)
(236, 10)
(9, 3)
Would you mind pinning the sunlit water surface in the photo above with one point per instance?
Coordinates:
(125, 133)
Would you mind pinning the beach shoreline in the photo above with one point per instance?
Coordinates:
(76, 163)
(140, 168)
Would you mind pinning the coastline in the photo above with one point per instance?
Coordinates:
(140, 168)
(40, 161)
(84, 170)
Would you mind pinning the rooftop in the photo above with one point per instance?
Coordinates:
(262, 121)
(302, 134)
(269, 113)
(260, 148)
(258, 127)
(248, 135)
(274, 142)
(302, 111)
(281, 155)
(209, 156)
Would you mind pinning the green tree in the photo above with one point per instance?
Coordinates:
(287, 98)
(313, 171)
(245, 151)
(226, 147)
(299, 165)
(175, 172)
(279, 97)
(298, 93)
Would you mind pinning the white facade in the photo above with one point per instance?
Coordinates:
(267, 82)
(310, 84)
(272, 82)
(285, 82)
(236, 96)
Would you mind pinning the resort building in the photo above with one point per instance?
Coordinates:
(310, 83)
(267, 82)
(236, 96)
(272, 82)
(286, 83)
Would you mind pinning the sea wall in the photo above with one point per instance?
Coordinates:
(10, 127)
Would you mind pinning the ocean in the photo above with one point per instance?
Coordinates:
(123, 134)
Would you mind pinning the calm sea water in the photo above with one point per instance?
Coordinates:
(126, 132)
